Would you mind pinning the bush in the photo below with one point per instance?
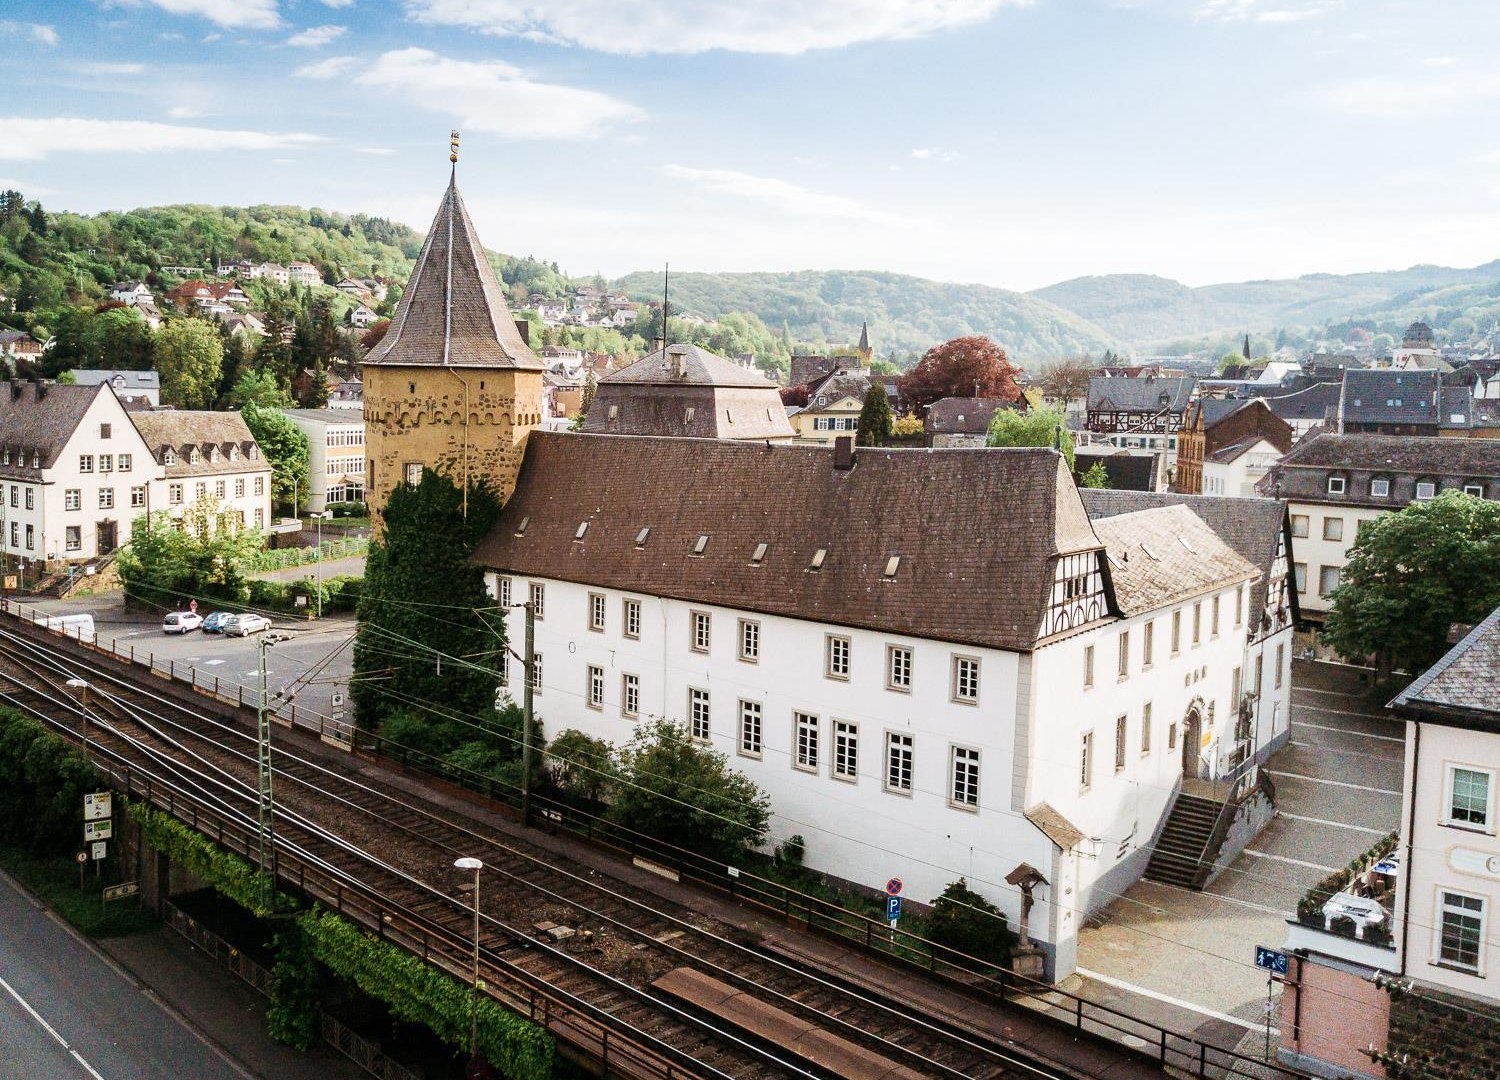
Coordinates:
(790, 851)
(968, 923)
(349, 509)
(581, 767)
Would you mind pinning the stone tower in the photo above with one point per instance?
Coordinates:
(453, 386)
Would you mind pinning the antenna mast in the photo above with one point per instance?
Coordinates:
(666, 278)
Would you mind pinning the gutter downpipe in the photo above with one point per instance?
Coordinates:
(1411, 824)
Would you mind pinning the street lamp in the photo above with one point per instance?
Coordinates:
(475, 865)
(320, 516)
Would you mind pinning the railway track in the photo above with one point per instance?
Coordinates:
(357, 833)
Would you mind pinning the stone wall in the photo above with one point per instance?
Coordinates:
(1442, 1036)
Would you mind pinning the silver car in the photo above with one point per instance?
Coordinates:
(245, 624)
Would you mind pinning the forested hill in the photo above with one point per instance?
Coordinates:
(906, 314)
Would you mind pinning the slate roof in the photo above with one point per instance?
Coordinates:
(327, 416)
(699, 367)
(968, 416)
(1462, 685)
(711, 398)
(1303, 474)
(1311, 403)
(1054, 826)
(1139, 395)
(835, 386)
(1252, 527)
(1165, 554)
(479, 330)
(1381, 396)
(1127, 470)
(807, 369)
(977, 530)
(41, 421)
(184, 429)
(130, 380)
(1212, 410)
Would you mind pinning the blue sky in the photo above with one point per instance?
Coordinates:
(1001, 141)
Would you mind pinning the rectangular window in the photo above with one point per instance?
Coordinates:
(1299, 576)
(845, 750)
(15, 534)
(260, 485)
(85, 463)
(630, 695)
(218, 489)
(596, 612)
(836, 658)
(199, 490)
(1235, 679)
(1468, 797)
(898, 668)
(1171, 737)
(106, 498)
(413, 472)
(1280, 662)
(538, 594)
(106, 463)
(1462, 931)
(15, 496)
(1335, 485)
(1120, 724)
(536, 673)
(31, 498)
(632, 619)
(1299, 525)
(1086, 762)
(1197, 623)
(1426, 489)
(138, 496)
(124, 461)
(72, 499)
(1213, 622)
(700, 631)
(750, 728)
(698, 715)
(1146, 729)
(502, 586)
(1239, 607)
(74, 537)
(1328, 580)
(966, 680)
(1333, 528)
(1122, 661)
(805, 752)
(1148, 643)
(1088, 666)
(239, 488)
(898, 756)
(963, 789)
(30, 537)
(501, 661)
(260, 517)
(1380, 489)
(749, 641)
(1176, 631)
(596, 687)
(104, 430)
(1476, 490)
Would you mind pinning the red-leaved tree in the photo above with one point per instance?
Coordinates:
(964, 367)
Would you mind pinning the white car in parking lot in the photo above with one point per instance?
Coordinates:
(180, 622)
(245, 624)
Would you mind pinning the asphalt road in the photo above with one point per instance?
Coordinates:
(65, 1014)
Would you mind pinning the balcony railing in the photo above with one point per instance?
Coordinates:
(1357, 901)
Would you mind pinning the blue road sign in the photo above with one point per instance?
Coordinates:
(892, 908)
(1270, 959)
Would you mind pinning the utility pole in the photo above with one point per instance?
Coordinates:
(263, 761)
(526, 714)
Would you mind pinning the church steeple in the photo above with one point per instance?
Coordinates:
(865, 352)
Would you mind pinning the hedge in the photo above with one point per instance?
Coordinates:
(229, 874)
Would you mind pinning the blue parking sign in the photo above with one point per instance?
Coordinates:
(1270, 959)
(892, 908)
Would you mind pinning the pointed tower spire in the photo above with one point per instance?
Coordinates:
(865, 352)
(1247, 346)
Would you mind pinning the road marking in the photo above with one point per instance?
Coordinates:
(50, 1030)
(1294, 862)
(1346, 731)
(1348, 712)
(1121, 984)
(211, 663)
(1277, 774)
(1335, 824)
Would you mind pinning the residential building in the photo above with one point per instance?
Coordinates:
(563, 395)
(1334, 484)
(335, 456)
(304, 273)
(806, 369)
(1148, 404)
(207, 456)
(18, 345)
(74, 472)
(131, 292)
(362, 317)
(860, 632)
(955, 421)
(347, 394)
(685, 390)
(1124, 469)
(1414, 980)
(834, 402)
(1226, 445)
(129, 386)
(357, 289)
(1306, 408)
(275, 272)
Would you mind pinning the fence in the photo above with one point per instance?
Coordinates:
(281, 558)
(364, 1053)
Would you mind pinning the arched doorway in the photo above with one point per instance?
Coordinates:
(1192, 737)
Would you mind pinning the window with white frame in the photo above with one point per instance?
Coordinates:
(502, 588)
(72, 499)
(898, 668)
(898, 761)
(538, 594)
(749, 641)
(966, 680)
(1088, 666)
(239, 488)
(1335, 485)
(85, 463)
(1086, 762)
(106, 463)
(698, 715)
(536, 673)
(1380, 489)
(805, 740)
(106, 498)
(1213, 622)
(1145, 729)
(74, 537)
(1121, 723)
(260, 485)
(836, 657)
(963, 788)
(1239, 607)
(1468, 797)
(218, 489)
(1426, 489)
(1280, 663)
(1122, 664)
(632, 617)
(1476, 490)
(596, 687)
(700, 625)
(200, 490)
(596, 612)
(1176, 631)
(1148, 643)
(1461, 930)
(1197, 623)
(31, 498)
(630, 695)
(750, 728)
(138, 495)
(845, 750)
(1333, 528)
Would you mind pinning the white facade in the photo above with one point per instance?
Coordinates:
(990, 733)
(304, 273)
(244, 492)
(1323, 535)
(1239, 476)
(335, 456)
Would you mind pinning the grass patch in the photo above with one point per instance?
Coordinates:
(54, 881)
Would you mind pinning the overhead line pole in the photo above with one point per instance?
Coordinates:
(526, 713)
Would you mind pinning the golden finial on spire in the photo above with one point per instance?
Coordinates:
(453, 146)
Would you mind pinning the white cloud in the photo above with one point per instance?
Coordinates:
(331, 68)
(781, 194)
(37, 32)
(338, 3)
(1277, 11)
(636, 27)
(234, 14)
(32, 139)
(105, 67)
(315, 37)
(209, 39)
(934, 153)
(1439, 61)
(378, 151)
(493, 96)
(25, 187)
(185, 112)
(1385, 97)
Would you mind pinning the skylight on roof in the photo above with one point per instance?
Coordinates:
(583, 527)
(760, 553)
(640, 537)
(1185, 542)
(817, 559)
(892, 565)
(521, 528)
(1150, 554)
(701, 545)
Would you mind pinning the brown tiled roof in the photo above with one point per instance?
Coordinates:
(40, 422)
(1166, 554)
(976, 530)
(1463, 683)
(183, 429)
(479, 331)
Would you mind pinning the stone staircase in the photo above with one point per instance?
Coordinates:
(1181, 856)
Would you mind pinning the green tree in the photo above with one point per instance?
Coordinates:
(677, 791)
(1411, 575)
(590, 390)
(427, 630)
(117, 338)
(190, 359)
(1034, 427)
(285, 448)
(1094, 476)
(875, 417)
(968, 923)
(204, 554)
(581, 766)
(258, 388)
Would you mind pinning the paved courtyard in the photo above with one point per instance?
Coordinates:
(1188, 957)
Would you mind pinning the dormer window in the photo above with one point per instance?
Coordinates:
(36, 459)
(7, 455)
(254, 452)
(213, 455)
(234, 453)
(1380, 489)
(169, 456)
(193, 456)
(1426, 489)
(1335, 485)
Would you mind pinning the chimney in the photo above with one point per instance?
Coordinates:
(843, 453)
(524, 329)
(41, 388)
(16, 386)
(678, 353)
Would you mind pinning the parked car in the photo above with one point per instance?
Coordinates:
(180, 622)
(246, 624)
(214, 622)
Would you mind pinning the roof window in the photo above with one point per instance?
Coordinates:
(583, 527)
(521, 528)
(614, 412)
(687, 414)
(817, 559)
(701, 544)
(1185, 542)
(891, 566)
(759, 556)
(1150, 554)
(640, 537)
